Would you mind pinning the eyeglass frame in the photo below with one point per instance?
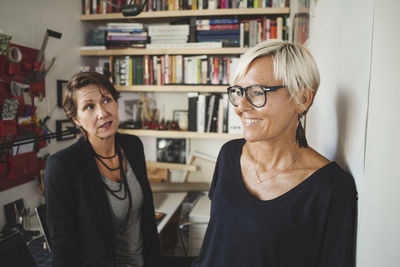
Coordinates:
(266, 89)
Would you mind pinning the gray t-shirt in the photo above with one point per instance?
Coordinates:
(128, 244)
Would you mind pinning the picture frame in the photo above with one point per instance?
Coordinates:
(63, 125)
(171, 150)
(60, 88)
(182, 118)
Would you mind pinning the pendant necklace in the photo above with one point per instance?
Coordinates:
(261, 180)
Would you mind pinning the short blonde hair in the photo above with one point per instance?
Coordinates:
(293, 65)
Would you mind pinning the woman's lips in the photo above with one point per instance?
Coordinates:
(106, 125)
(249, 122)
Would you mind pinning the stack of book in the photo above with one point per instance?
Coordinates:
(126, 35)
(167, 34)
(219, 30)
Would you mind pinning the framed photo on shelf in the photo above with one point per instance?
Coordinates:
(63, 125)
(60, 87)
(182, 118)
(172, 150)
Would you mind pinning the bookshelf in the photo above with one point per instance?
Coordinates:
(168, 16)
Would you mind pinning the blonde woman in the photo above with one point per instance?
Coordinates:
(276, 202)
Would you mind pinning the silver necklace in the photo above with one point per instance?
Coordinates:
(261, 180)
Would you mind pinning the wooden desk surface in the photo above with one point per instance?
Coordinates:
(169, 204)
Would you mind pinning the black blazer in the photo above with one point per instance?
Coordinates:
(78, 212)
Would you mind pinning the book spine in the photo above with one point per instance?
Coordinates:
(217, 27)
(216, 21)
(201, 110)
(225, 100)
(146, 73)
(130, 64)
(220, 117)
(158, 71)
(214, 119)
(279, 28)
(210, 110)
(179, 69)
(167, 69)
(215, 76)
(273, 29)
(192, 110)
(162, 70)
(252, 33)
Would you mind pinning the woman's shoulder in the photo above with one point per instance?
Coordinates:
(233, 145)
(333, 179)
(329, 175)
(69, 152)
(129, 139)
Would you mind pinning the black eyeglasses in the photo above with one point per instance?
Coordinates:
(255, 94)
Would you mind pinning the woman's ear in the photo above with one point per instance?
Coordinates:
(306, 100)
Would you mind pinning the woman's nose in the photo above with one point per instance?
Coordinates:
(101, 112)
(244, 103)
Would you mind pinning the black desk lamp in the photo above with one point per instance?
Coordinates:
(131, 9)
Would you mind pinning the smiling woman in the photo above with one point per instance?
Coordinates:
(99, 202)
(290, 205)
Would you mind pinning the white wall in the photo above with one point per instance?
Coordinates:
(379, 226)
(341, 44)
(354, 119)
(26, 21)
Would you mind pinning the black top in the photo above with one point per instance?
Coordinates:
(310, 225)
(78, 212)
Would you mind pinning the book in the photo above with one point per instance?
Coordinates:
(217, 27)
(126, 38)
(225, 102)
(220, 117)
(201, 113)
(216, 21)
(210, 110)
(219, 32)
(279, 28)
(214, 114)
(168, 29)
(252, 33)
(273, 29)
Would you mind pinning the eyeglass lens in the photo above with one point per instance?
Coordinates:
(254, 94)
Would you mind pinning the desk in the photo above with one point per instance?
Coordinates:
(168, 204)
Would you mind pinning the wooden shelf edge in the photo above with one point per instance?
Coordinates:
(181, 51)
(178, 134)
(171, 166)
(188, 13)
(179, 187)
(173, 88)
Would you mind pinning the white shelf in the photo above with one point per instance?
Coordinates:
(179, 134)
(188, 13)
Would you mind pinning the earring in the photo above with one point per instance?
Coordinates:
(300, 134)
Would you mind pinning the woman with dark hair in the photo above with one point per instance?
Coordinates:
(99, 202)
